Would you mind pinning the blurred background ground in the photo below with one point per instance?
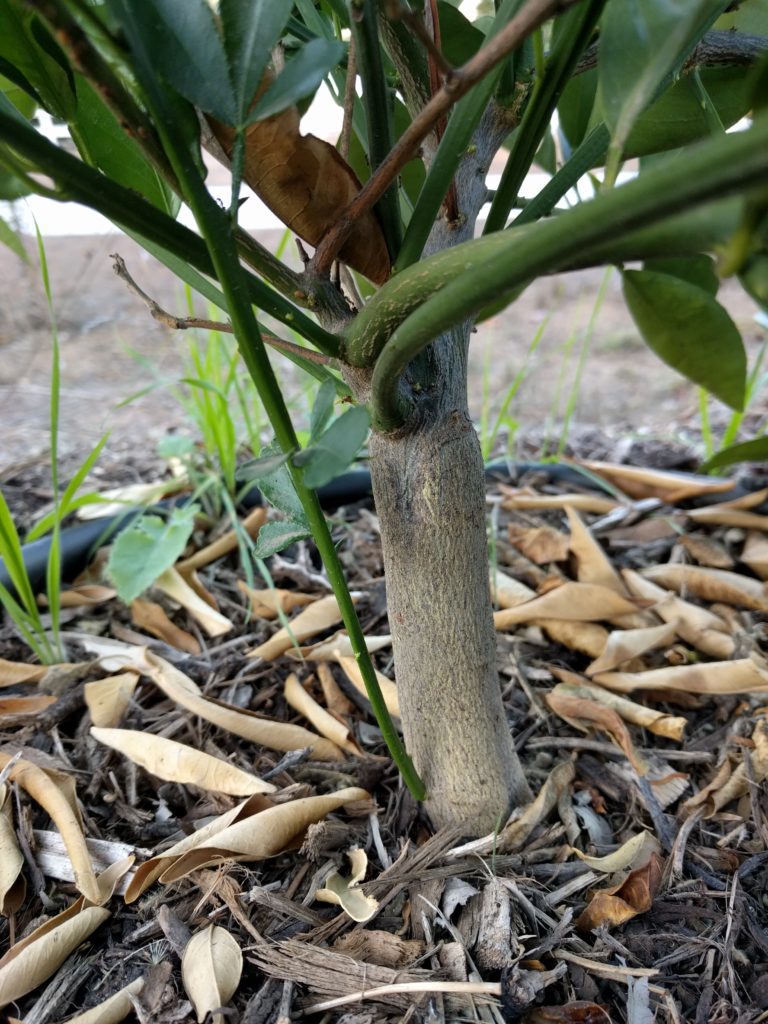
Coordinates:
(109, 343)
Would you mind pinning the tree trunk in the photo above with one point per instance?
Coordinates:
(429, 488)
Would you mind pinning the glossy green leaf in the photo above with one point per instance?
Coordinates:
(277, 536)
(301, 77)
(335, 450)
(698, 270)
(754, 279)
(749, 16)
(9, 237)
(250, 28)
(746, 451)
(146, 548)
(641, 42)
(104, 144)
(183, 44)
(459, 39)
(277, 487)
(687, 328)
(27, 46)
(256, 469)
(322, 409)
(18, 94)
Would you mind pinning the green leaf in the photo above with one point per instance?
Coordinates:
(256, 469)
(698, 270)
(18, 93)
(322, 409)
(145, 549)
(9, 237)
(459, 39)
(689, 330)
(750, 16)
(641, 42)
(28, 47)
(301, 77)
(754, 279)
(335, 450)
(277, 487)
(185, 48)
(175, 446)
(251, 28)
(278, 535)
(755, 450)
(104, 144)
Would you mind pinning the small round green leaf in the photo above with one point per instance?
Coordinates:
(687, 328)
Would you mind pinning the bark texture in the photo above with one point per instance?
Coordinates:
(429, 488)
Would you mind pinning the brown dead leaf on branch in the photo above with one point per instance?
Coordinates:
(307, 184)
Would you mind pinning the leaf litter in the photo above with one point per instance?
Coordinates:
(133, 884)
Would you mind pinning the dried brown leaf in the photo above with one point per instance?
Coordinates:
(625, 644)
(13, 672)
(588, 638)
(577, 602)
(114, 1009)
(655, 483)
(325, 723)
(508, 592)
(706, 551)
(108, 699)
(388, 688)
(176, 762)
(225, 544)
(620, 903)
(152, 618)
(755, 554)
(584, 713)
(10, 707)
(12, 884)
(578, 1012)
(268, 602)
(657, 722)
(722, 515)
(725, 789)
(592, 563)
(319, 616)
(634, 853)
(211, 968)
(172, 583)
(583, 502)
(542, 544)
(741, 676)
(711, 584)
(85, 595)
(345, 892)
(338, 645)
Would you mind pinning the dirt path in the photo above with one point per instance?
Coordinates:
(108, 343)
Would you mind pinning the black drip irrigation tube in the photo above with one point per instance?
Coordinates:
(80, 542)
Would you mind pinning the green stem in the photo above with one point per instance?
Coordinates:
(85, 185)
(216, 231)
(715, 168)
(378, 112)
(574, 32)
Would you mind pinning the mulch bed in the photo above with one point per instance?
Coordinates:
(633, 889)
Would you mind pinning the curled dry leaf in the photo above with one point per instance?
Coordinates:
(246, 837)
(625, 644)
(58, 804)
(755, 554)
(338, 645)
(267, 603)
(346, 893)
(264, 731)
(224, 544)
(507, 592)
(541, 544)
(655, 483)
(584, 502)
(115, 500)
(85, 595)
(699, 627)
(588, 638)
(724, 515)
(592, 563)
(172, 583)
(35, 958)
(307, 184)
(730, 786)
(620, 903)
(10, 707)
(741, 676)
(633, 853)
(670, 726)
(711, 584)
(176, 762)
(580, 1011)
(13, 672)
(51, 856)
(335, 699)
(585, 713)
(152, 618)
(211, 968)
(706, 551)
(319, 616)
(112, 1010)
(388, 688)
(108, 699)
(325, 723)
(12, 885)
(576, 602)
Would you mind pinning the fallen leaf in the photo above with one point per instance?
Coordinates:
(325, 723)
(225, 544)
(12, 885)
(706, 551)
(541, 544)
(108, 699)
(172, 583)
(346, 893)
(267, 603)
(625, 644)
(577, 602)
(264, 731)
(711, 584)
(755, 554)
(85, 595)
(13, 672)
(725, 790)
(211, 968)
(588, 638)
(580, 1011)
(176, 762)
(335, 699)
(592, 563)
(115, 500)
(355, 676)
(112, 1010)
(508, 592)
(638, 482)
(152, 618)
(722, 515)
(56, 803)
(634, 853)
(584, 713)
(740, 676)
(319, 616)
(583, 502)
(633, 896)
(32, 960)
(12, 706)
(307, 184)
(337, 645)
(257, 836)
(658, 722)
